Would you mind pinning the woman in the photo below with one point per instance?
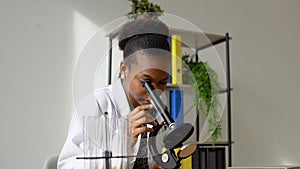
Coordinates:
(146, 56)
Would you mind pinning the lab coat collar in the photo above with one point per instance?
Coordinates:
(120, 98)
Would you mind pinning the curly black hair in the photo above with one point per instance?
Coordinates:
(144, 34)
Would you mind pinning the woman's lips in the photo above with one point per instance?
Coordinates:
(145, 101)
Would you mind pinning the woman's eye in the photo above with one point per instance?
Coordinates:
(142, 81)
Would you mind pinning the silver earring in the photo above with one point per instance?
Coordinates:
(121, 75)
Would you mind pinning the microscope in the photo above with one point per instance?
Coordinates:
(174, 137)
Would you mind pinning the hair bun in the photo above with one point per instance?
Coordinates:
(139, 27)
(122, 43)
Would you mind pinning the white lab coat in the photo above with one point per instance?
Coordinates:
(111, 99)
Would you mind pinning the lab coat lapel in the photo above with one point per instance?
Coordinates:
(120, 98)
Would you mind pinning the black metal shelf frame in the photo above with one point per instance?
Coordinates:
(227, 90)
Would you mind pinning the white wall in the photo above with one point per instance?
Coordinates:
(264, 65)
(37, 62)
(38, 58)
(36, 70)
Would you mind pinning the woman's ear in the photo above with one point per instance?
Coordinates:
(123, 68)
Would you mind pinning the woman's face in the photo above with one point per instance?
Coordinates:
(142, 69)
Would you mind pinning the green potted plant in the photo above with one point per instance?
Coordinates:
(144, 9)
(207, 99)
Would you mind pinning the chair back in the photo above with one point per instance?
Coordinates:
(51, 163)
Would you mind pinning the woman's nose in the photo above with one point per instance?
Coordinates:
(147, 97)
(157, 88)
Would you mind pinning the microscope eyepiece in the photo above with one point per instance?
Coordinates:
(158, 104)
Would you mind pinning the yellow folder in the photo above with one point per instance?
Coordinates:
(177, 79)
(176, 59)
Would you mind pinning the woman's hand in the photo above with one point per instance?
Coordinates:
(156, 166)
(139, 118)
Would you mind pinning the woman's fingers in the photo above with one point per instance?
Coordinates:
(156, 166)
(139, 118)
(139, 111)
(140, 115)
(141, 129)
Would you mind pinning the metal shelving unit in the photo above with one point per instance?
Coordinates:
(200, 41)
